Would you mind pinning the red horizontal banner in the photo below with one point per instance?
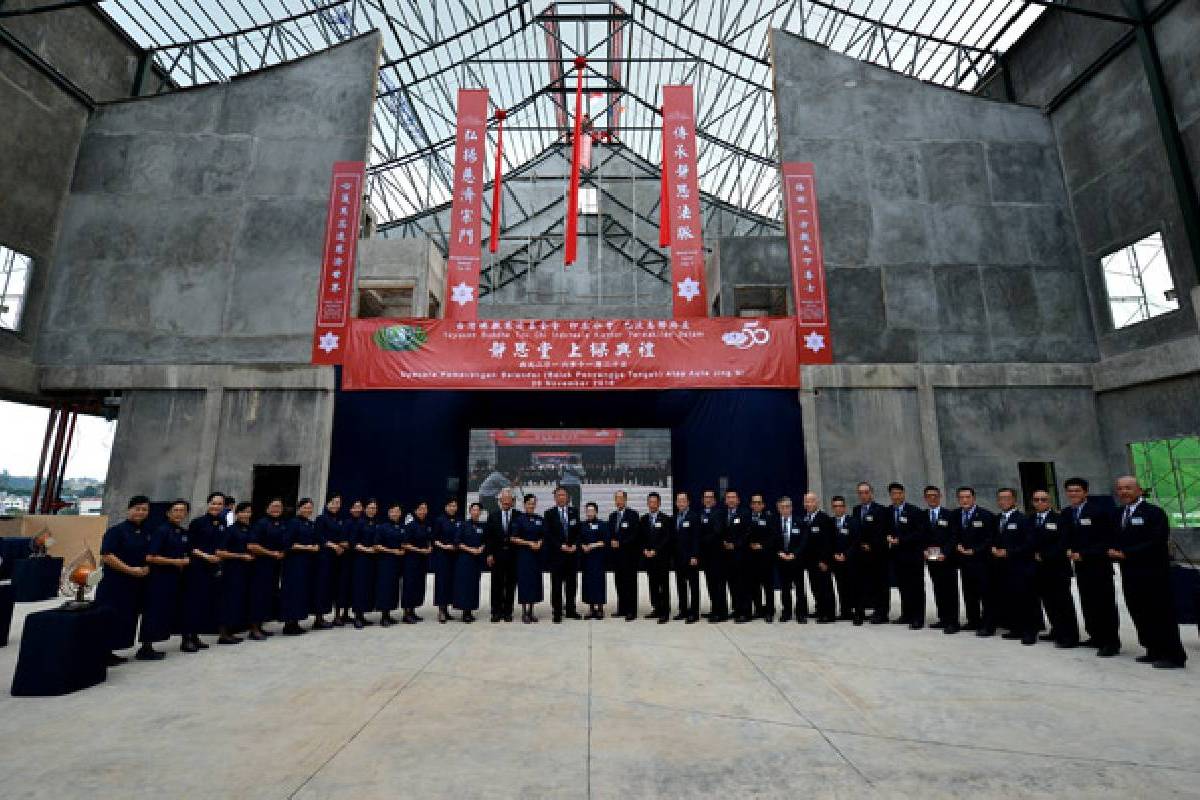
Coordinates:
(558, 436)
(571, 355)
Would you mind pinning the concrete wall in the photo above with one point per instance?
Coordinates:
(194, 227)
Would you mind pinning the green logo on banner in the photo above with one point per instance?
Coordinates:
(400, 337)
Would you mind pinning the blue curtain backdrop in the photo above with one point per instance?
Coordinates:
(408, 445)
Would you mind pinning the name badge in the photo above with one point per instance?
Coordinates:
(816, 529)
(687, 523)
(795, 529)
(904, 519)
(943, 523)
(977, 524)
(1085, 521)
(658, 524)
(1051, 526)
(1012, 526)
(870, 517)
(1136, 521)
(737, 520)
(624, 524)
(762, 522)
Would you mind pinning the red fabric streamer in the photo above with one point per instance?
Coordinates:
(573, 194)
(494, 241)
(664, 210)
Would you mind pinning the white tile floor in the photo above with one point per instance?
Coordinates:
(613, 709)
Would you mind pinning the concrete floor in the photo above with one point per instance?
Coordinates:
(613, 709)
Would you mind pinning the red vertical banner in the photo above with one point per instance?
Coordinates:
(466, 208)
(815, 345)
(689, 298)
(337, 264)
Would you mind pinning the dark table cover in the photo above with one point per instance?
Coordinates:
(62, 652)
(1185, 585)
(6, 609)
(36, 579)
(12, 550)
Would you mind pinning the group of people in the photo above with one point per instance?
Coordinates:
(1015, 569)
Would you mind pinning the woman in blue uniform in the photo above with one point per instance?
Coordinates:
(595, 576)
(528, 532)
(329, 533)
(389, 557)
(295, 590)
(267, 543)
(167, 556)
(363, 543)
(200, 577)
(236, 566)
(441, 562)
(418, 538)
(345, 593)
(468, 564)
(123, 555)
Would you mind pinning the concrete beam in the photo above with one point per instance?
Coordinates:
(182, 376)
(912, 376)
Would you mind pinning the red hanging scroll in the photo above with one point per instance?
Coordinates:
(337, 264)
(462, 267)
(689, 298)
(808, 264)
(497, 180)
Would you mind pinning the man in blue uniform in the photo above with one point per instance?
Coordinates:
(790, 537)
(940, 557)
(873, 553)
(561, 546)
(656, 549)
(761, 538)
(907, 536)
(1013, 601)
(817, 556)
(123, 556)
(846, 561)
(972, 533)
(1089, 535)
(1140, 547)
(1052, 573)
(625, 528)
(712, 557)
(500, 558)
(736, 546)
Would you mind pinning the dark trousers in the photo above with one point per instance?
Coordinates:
(658, 575)
(687, 587)
(564, 582)
(742, 582)
(875, 588)
(1151, 606)
(999, 601)
(1021, 611)
(944, 575)
(1053, 585)
(973, 571)
(791, 582)
(821, 581)
(909, 569)
(848, 591)
(764, 584)
(1098, 597)
(627, 586)
(504, 584)
(717, 579)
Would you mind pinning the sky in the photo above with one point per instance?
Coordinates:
(23, 427)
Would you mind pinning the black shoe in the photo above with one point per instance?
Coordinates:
(900, 621)
(1066, 645)
(971, 626)
(1011, 635)
(950, 629)
(496, 619)
(359, 623)
(114, 660)
(196, 640)
(663, 620)
(630, 617)
(651, 615)
(508, 617)
(292, 629)
(468, 617)
(826, 620)
(691, 620)
(679, 617)
(557, 620)
(741, 620)
(338, 622)
(802, 620)
(189, 647)
(257, 637)
(1146, 659)
(1047, 637)
(985, 632)
(858, 620)
(1108, 651)
(846, 615)
(785, 616)
(1090, 643)
(1029, 640)
(916, 626)
(878, 620)
(267, 633)
(229, 640)
(526, 619)
(937, 625)
(769, 617)
(572, 615)
(1166, 663)
(148, 653)
(387, 622)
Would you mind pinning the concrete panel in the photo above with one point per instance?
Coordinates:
(869, 434)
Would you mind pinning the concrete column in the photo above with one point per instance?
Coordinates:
(1196, 303)
(812, 442)
(315, 483)
(206, 453)
(931, 440)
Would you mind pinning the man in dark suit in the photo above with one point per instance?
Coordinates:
(1013, 602)
(972, 532)
(1052, 572)
(656, 549)
(687, 559)
(625, 529)
(907, 536)
(846, 553)
(712, 557)
(873, 553)
(561, 546)
(761, 537)
(1089, 535)
(817, 556)
(1141, 548)
(501, 559)
(940, 557)
(790, 536)
(736, 544)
